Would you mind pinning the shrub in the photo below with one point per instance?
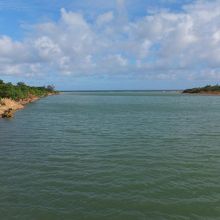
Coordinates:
(22, 91)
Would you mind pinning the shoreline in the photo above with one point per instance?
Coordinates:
(203, 93)
(206, 90)
(9, 106)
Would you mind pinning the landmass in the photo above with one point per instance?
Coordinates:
(15, 97)
(206, 90)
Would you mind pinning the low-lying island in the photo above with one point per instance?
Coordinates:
(15, 97)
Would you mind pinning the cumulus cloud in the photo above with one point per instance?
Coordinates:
(161, 45)
(105, 18)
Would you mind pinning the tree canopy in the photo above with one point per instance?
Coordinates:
(22, 91)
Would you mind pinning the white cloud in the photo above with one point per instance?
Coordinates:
(160, 45)
(9, 48)
(46, 48)
(105, 18)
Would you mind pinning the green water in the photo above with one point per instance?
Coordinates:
(112, 155)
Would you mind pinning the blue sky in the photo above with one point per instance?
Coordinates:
(115, 44)
(16, 14)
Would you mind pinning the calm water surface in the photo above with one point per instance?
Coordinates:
(112, 155)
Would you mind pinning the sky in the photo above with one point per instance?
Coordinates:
(114, 44)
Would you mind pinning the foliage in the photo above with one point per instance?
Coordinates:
(208, 88)
(23, 91)
(50, 88)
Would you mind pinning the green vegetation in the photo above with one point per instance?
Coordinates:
(205, 89)
(23, 91)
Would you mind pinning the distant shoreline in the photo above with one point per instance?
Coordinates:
(203, 93)
(206, 90)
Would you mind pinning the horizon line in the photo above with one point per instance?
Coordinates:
(122, 90)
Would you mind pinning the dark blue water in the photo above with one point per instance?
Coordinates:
(112, 155)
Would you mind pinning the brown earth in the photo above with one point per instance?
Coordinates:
(9, 106)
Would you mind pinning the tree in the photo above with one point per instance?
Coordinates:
(50, 88)
(21, 84)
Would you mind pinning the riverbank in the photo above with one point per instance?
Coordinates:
(9, 106)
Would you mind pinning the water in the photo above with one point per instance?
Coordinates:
(112, 155)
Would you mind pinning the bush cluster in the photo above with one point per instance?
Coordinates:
(22, 91)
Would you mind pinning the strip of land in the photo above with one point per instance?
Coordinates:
(206, 90)
(15, 97)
